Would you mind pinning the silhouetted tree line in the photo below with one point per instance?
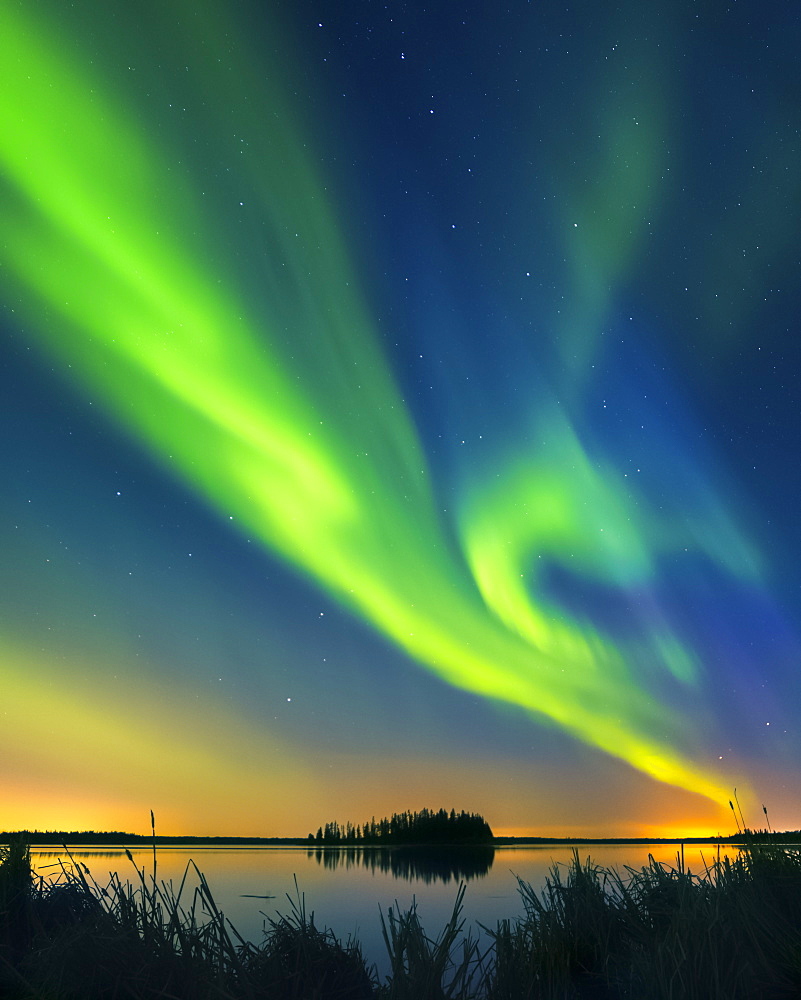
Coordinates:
(117, 837)
(36, 837)
(424, 827)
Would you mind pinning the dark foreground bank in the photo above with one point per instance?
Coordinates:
(734, 931)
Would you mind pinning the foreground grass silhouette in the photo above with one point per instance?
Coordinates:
(734, 931)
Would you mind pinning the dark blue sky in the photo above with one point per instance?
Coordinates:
(402, 405)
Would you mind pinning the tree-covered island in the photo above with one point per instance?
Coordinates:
(424, 827)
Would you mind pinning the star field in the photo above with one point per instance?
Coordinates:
(400, 409)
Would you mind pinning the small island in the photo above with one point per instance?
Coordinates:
(408, 828)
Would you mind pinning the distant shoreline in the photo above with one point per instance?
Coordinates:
(121, 840)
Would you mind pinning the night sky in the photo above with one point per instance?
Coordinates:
(400, 408)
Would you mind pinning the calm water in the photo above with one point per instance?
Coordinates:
(345, 889)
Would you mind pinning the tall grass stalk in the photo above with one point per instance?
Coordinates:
(424, 968)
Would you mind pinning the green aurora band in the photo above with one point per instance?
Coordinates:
(261, 384)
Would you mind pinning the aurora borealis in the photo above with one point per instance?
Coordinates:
(400, 409)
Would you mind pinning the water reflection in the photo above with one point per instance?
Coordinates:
(425, 864)
(78, 851)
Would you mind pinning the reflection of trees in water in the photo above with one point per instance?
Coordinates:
(80, 852)
(427, 864)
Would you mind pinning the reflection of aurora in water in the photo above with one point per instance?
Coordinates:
(423, 864)
(480, 459)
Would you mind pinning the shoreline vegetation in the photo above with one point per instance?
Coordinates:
(120, 839)
(729, 932)
(409, 829)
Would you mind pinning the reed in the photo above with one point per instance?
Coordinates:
(729, 932)
(448, 967)
(146, 939)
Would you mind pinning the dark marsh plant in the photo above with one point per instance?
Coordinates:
(733, 932)
(299, 961)
(565, 943)
(17, 888)
(425, 968)
(150, 940)
(16, 880)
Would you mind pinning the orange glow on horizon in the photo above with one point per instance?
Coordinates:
(670, 830)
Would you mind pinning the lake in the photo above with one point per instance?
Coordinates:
(345, 888)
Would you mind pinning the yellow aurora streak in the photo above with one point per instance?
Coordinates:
(109, 258)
